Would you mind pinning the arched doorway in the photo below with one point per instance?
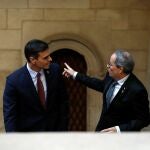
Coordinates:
(77, 92)
(94, 68)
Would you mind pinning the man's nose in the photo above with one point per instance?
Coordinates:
(49, 58)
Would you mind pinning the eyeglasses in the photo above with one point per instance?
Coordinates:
(110, 65)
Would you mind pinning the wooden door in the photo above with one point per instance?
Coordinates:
(76, 91)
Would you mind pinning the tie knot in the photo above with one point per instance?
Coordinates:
(114, 83)
(38, 74)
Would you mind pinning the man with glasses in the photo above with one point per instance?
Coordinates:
(125, 99)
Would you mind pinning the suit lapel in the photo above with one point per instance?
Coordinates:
(29, 83)
(30, 89)
(123, 90)
(107, 86)
(48, 77)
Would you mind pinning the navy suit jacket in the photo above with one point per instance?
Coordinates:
(129, 109)
(22, 108)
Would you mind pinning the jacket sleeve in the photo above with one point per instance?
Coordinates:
(9, 106)
(91, 82)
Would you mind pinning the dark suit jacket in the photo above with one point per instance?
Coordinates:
(129, 109)
(22, 108)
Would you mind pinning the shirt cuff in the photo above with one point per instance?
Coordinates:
(74, 75)
(118, 129)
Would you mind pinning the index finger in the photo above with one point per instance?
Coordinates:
(68, 67)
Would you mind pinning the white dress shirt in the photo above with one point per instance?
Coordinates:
(33, 75)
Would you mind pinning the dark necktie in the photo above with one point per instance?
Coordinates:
(40, 90)
(109, 93)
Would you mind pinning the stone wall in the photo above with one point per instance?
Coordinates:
(105, 24)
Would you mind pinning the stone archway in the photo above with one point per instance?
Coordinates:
(94, 68)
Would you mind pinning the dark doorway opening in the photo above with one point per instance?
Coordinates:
(76, 91)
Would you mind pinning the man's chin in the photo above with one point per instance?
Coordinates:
(46, 67)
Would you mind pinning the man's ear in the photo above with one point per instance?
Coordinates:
(121, 69)
(32, 60)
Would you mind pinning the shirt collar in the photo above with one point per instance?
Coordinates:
(32, 72)
(121, 81)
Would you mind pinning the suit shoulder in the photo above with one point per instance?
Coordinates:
(136, 83)
(54, 67)
(15, 74)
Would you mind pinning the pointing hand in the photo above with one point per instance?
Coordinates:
(68, 71)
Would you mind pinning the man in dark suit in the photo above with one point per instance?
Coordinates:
(125, 103)
(35, 98)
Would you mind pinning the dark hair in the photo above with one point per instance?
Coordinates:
(33, 47)
(125, 60)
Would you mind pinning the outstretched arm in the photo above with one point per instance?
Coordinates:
(88, 81)
(9, 107)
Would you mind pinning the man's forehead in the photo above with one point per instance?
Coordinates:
(113, 57)
(46, 52)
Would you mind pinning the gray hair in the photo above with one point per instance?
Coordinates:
(125, 60)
